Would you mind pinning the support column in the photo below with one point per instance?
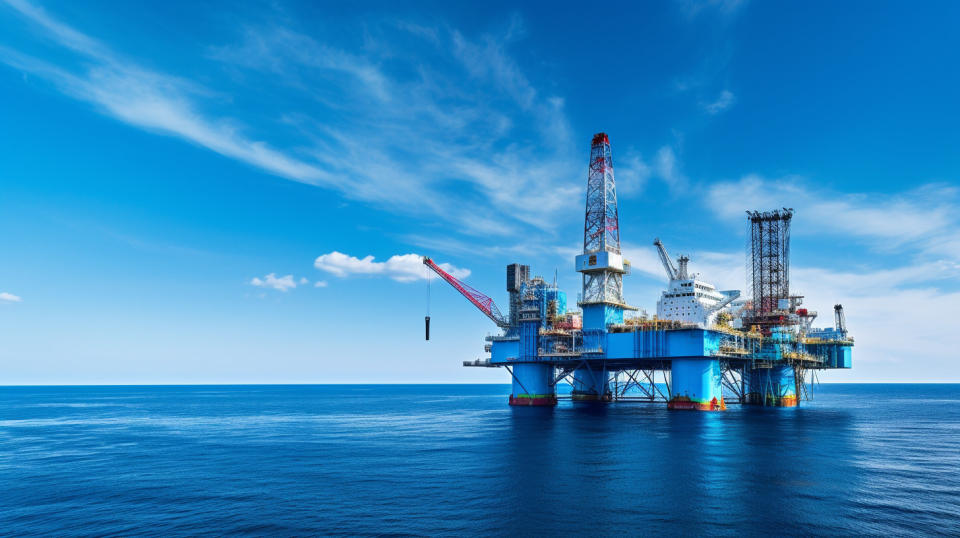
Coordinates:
(754, 381)
(533, 385)
(775, 386)
(696, 385)
(591, 385)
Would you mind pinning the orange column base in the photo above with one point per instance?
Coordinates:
(787, 401)
(684, 403)
(772, 401)
(535, 401)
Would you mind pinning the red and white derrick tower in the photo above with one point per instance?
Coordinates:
(601, 262)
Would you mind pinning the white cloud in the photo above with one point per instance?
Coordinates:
(320, 284)
(903, 333)
(644, 259)
(924, 220)
(9, 298)
(723, 102)
(632, 173)
(400, 267)
(257, 51)
(67, 36)
(283, 283)
(303, 280)
(668, 169)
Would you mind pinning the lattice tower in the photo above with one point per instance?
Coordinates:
(601, 228)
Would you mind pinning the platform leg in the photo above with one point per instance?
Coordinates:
(775, 386)
(696, 385)
(533, 385)
(591, 385)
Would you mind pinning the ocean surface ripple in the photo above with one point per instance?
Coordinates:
(455, 460)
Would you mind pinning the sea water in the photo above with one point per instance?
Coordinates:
(456, 460)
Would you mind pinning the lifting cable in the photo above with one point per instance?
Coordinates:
(426, 319)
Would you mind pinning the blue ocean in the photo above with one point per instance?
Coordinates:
(456, 460)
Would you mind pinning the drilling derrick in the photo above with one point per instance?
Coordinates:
(601, 262)
(602, 267)
(768, 267)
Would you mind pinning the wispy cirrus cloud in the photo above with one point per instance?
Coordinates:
(668, 168)
(633, 172)
(725, 100)
(274, 49)
(692, 8)
(147, 99)
(466, 129)
(375, 122)
(400, 267)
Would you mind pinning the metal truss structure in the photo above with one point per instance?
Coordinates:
(602, 287)
(768, 265)
(484, 303)
(601, 226)
(644, 383)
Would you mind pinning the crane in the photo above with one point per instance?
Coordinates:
(479, 300)
(665, 259)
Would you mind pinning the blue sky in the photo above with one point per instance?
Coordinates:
(205, 192)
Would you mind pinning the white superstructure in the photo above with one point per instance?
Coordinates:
(687, 298)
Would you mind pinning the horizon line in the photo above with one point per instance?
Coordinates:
(3, 385)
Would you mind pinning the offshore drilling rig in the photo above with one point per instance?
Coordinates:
(703, 349)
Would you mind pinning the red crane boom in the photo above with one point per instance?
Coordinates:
(479, 300)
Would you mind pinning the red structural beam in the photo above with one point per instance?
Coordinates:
(481, 301)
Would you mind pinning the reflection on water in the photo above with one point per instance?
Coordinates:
(611, 467)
